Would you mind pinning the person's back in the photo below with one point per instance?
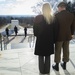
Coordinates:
(44, 33)
(25, 31)
(7, 32)
(66, 26)
(43, 30)
(16, 30)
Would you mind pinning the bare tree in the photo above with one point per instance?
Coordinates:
(37, 7)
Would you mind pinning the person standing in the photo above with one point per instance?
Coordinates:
(7, 31)
(25, 31)
(43, 29)
(0, 43)
(16, 30)
(66, 26)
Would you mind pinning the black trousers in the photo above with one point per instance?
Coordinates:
(44, 64)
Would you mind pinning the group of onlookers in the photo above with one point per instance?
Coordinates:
(16, 31)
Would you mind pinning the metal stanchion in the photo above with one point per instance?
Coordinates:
(1, 41)
(1, 45)
(5, 44)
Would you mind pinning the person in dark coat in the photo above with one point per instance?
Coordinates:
(16, 30)
(66, 30)
(7, 31)
(43, 29)
(1, 42)
(25, 31)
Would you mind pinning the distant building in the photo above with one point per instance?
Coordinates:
(14, 23)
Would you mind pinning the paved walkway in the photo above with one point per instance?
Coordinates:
(22, 61)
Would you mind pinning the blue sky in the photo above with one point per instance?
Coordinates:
(17, 7)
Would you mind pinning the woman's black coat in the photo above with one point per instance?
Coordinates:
(44, 33)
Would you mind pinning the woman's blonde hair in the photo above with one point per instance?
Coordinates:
(47, 12)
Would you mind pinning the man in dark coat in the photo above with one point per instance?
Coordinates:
(25, 31)
(16, 30)
(7, 31)
(66, 26)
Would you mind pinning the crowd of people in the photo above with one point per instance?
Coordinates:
(53, 33)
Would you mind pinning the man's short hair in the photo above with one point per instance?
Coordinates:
(62, 4)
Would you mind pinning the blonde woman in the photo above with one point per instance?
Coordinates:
(43, 29)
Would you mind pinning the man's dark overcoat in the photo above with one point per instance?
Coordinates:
(66, 25)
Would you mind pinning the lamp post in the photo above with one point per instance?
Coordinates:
(1, 41)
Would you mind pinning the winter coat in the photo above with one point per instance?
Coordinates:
(44, 33)
(66, 25)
